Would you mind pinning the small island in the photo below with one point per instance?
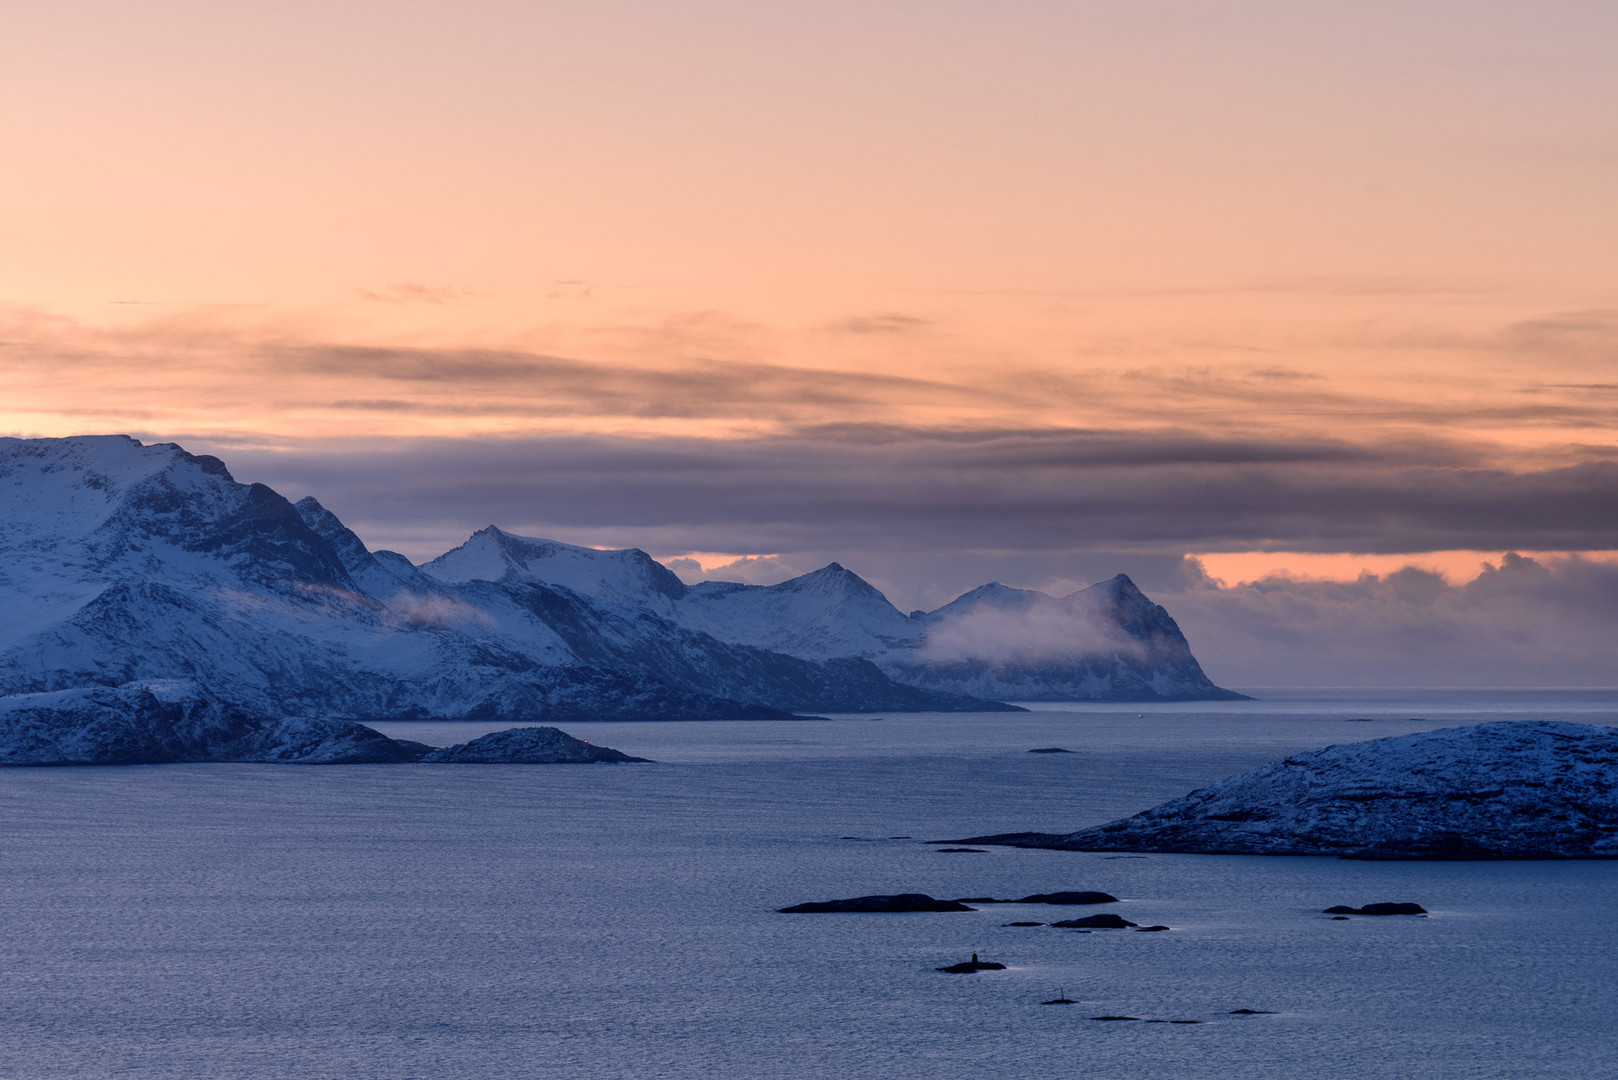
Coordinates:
(1510, 790)
(159, 723)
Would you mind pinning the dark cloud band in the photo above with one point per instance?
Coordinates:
(888, 489)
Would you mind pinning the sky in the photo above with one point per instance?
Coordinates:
(1303, 314)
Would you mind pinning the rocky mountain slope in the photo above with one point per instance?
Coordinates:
(121, 562)
(1105, 643)
(1516, 790)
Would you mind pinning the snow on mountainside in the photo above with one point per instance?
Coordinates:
(1515, 790)
(121, 562)
(491, 554)
(828, 613)
(1105, 643)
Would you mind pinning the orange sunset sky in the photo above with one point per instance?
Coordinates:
(1220, 294)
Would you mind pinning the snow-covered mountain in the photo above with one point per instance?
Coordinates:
(829, 613)
(121, 562)
(1108, 642)
(1515, 790)
(1105, 643)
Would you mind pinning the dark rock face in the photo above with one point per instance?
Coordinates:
(168, 723)
(528, 746)
(897, 902)
(162, 724)
(1515, 790)
(969, 967)
(1051, 750)
(1378, 909)
(1106, 921)
(1080, 897)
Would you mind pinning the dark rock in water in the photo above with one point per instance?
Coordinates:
(1023, 924)
(1149, 929)
(1051, 750)
(1378, 909)
(896, 902)
(1059, 1001)
(528, 746)
(1081, 897)
(1511, 790)
(167, 722)
(967, 967)
(961, 851)
(1251, 1012)
(1105, 921)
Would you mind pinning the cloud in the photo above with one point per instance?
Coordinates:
(1520, 622)
(881, 323)
(1039, 634)
(885, 489)
(411, 292)
(417, 612)
(536, 384)
(246, 370)
(748, 569)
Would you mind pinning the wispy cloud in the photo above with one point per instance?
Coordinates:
(221, 371)
(881, 323)
(412, 292)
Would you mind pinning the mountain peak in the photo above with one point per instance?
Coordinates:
(628, 575)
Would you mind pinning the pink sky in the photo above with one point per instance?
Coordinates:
(297, 230)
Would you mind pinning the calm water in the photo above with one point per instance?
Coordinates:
(494, 921)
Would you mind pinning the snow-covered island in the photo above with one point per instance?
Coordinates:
(165, 723)
(1512, 790)
(122, 563)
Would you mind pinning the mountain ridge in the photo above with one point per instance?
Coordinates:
(121, 562)
(124, 561)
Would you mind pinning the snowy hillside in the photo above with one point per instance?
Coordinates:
(1517, 790)
(829, 613)
(1105, 643)
(121, 562)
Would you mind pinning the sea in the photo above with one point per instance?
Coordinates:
(405, 921)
